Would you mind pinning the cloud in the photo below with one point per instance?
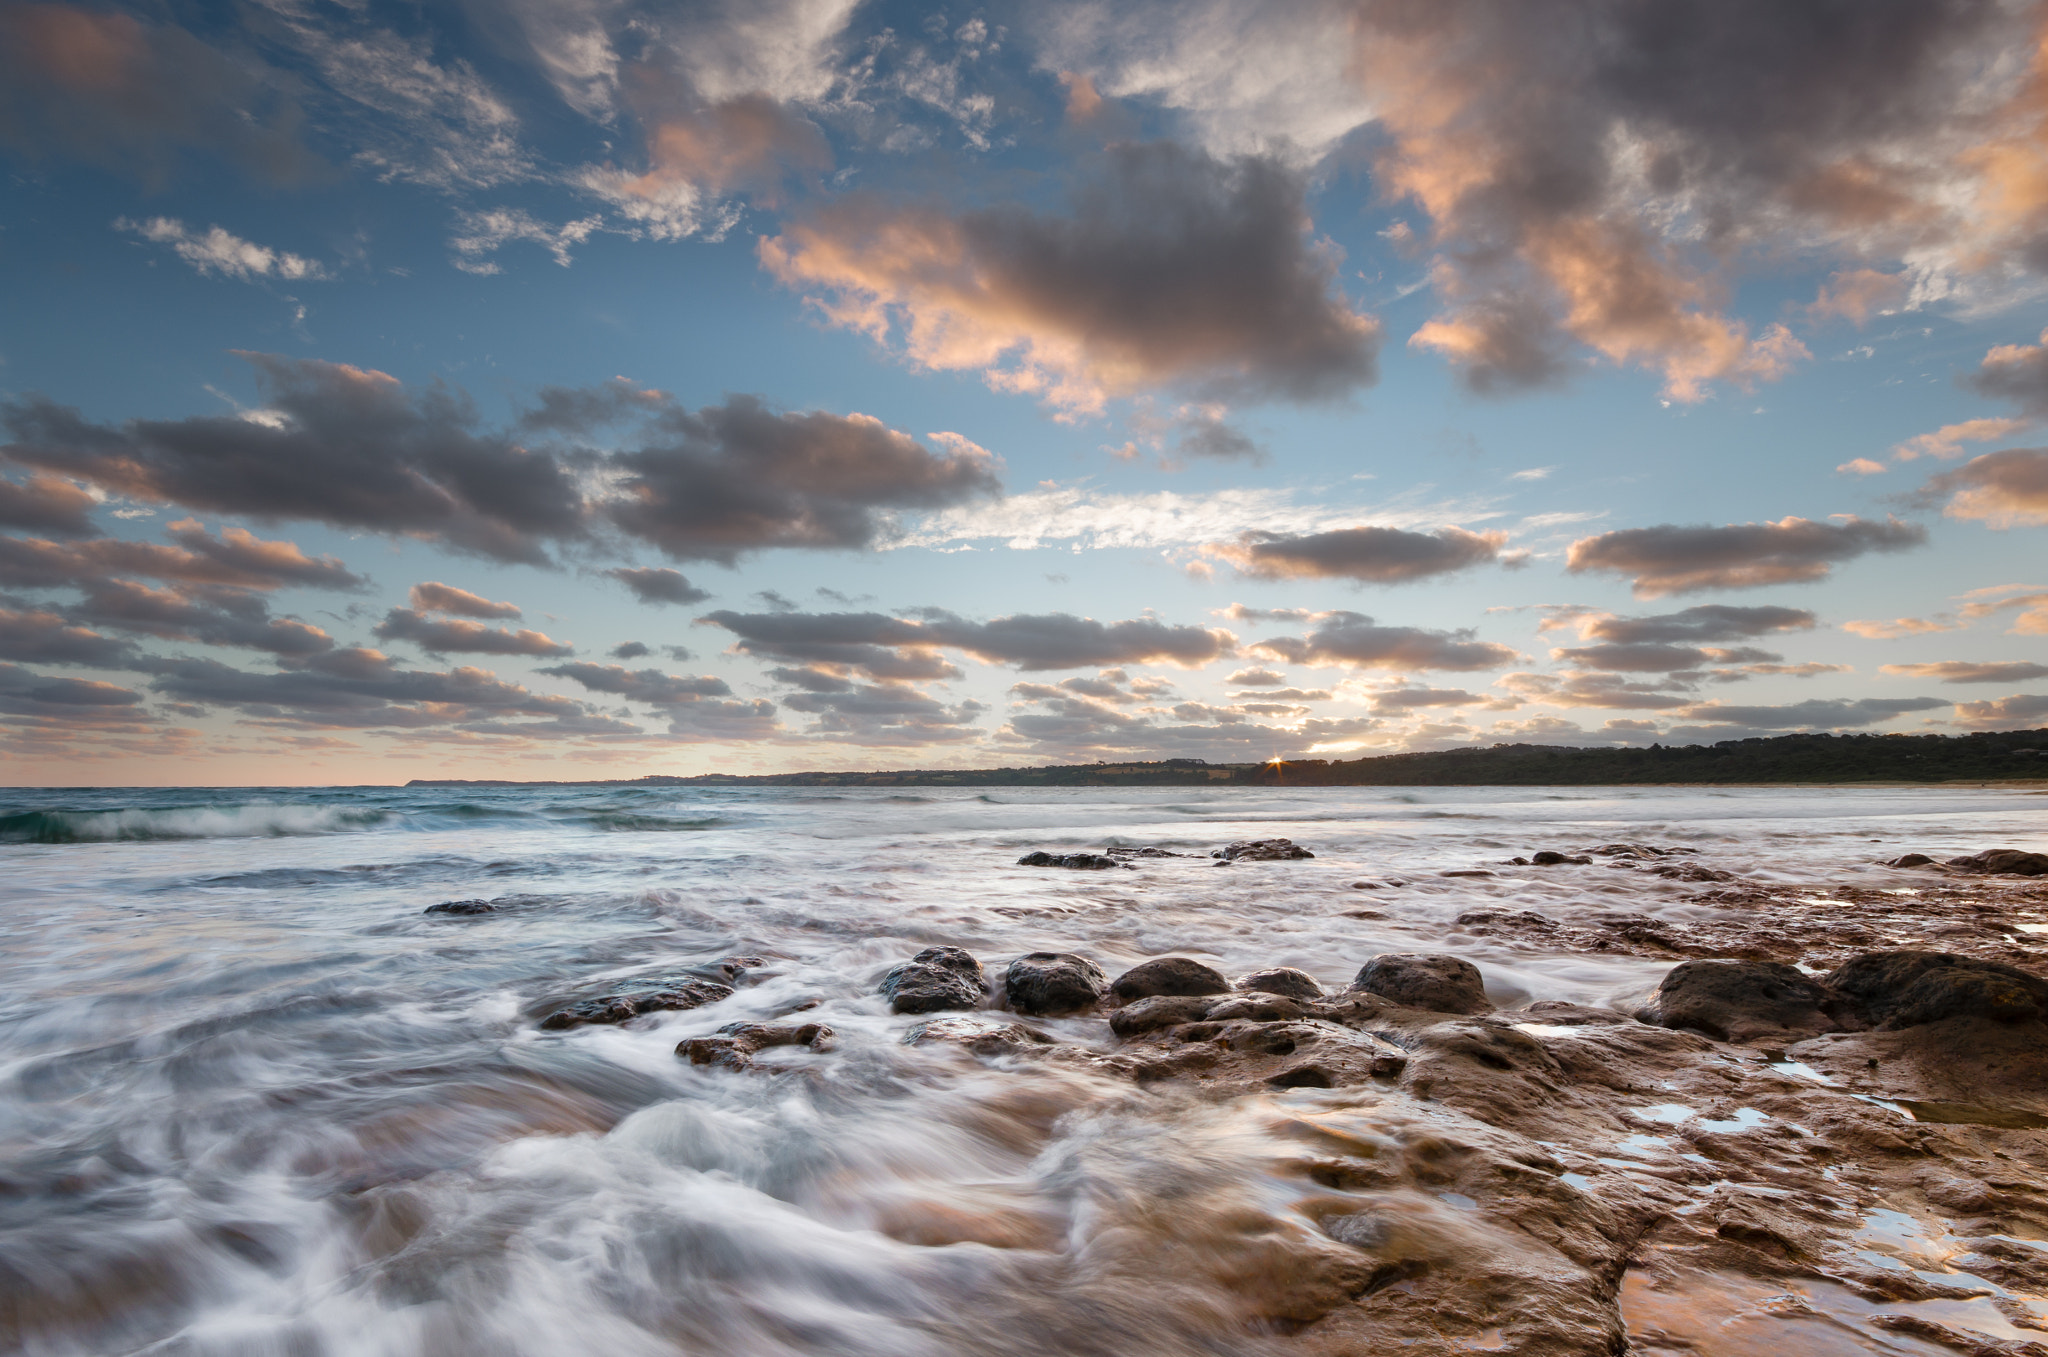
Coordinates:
(47, 504)
(1348, 638)
(442, 635)
(206, 614)
(1971, 671)
(2015, 372)
(2021, 711)
(479, 235)
(23, 692)
(1671, 559)
(1371, 554)
(219, 252)
(39, 636)
(1900, 626)
(903, 648)
(1257, 678)
(659, 585)
(886, 714)
(1856, 294)
(1643, 657)
(1861, 466)
(1601, 691)
(434, 597)
(237, 558)
(740, 477)
(356, 449)
(1947, 441)
(2000, 489)
(1392, 701)
(1696, 625)
(135, 98)
(694, 154)
(1813, 714)
(651, 686)
(1174, 269)
(629, 650)
(2032, 608)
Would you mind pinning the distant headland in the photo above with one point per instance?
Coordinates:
(1996, 756)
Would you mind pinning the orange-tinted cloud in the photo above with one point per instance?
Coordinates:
(2000, 489)
(1674, 559)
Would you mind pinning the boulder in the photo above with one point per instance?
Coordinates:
(1911, 860)
(1168, 975)
(1431, 980)
(1743, 1001)
(1892, 990)
(1282, 980)
(1160, 1010)
(735, 1045)
(936, 979)
(1261, 850)
(461, 907)
(618, 1008)
(2002, 862)
(1080, 862)
(983, 1036)
(1548, 858)
(1046, 984)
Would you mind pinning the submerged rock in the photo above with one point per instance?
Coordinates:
(618, 1008)
(461, 907)
(937, 978)
(1551, 858)
(983, 1036)
(2002, 862)
(1168, 975)
(1048, 984)
(735, 1045)
(1743, 1001)
(1636, 850)
(1893, 990)
(1431, 980)
(1080, 862)
(1282, 980)
(1911, 860)
(1160, 1010)
(1261, 850)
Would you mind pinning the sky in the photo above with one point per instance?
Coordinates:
(558, 389)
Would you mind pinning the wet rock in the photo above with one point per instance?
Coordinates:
(735, 1045)
(1262, 850)
(1157, 1011)
(1168, 975)
(1258, 1008)
(1282, 980)
(982, 1036)
(1911, 860)
(1689, 871)
(1742, 1001)
(461, 908)
(1431, 980)
(1548, 858)
(1894, 990)
(936, 979)
(618, 1008)
(1079, 862)
(2002, 862)
(1047, 984)
(1635, 850)
(1147, 852)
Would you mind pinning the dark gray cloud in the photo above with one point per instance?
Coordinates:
(1173, 268)
(888, 647)
(203, 614)
(1354, 639)
(63, 701)
(357, 449)
(886, 714)
(39, 636)
(659, 585)
(434, 597)
(236, 558)
(2021, 711)
(1648, 658)
(629, 650)
(740, 477)
(1257, 678)
(47, 504)
(1597, 690)
(1697, 626)
(1396, 700)
(2000, 489)
(2014, 372)
(641, 685)
(446, 635)
(1375, 555)
(1813, 714)
(1971, 671)
(1670, 559)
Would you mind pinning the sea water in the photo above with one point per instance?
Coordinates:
(253, 1100)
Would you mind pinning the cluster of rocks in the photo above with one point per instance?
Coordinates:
(734, 1045)
(1991, 862)
(1262, 850)
(1247, 850)
(656, 994)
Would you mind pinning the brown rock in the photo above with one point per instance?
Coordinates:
(1432, 980)
(1168, 975)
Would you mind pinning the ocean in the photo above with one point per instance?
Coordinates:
(254, 1100)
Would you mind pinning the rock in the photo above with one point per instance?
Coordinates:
(1157, 1011)
(1168, 975)
(937, 978)
(1892, 990)
(1547, 858)
(461, 907)
(1147, 852)
(1262, 850)
(1742, 1001)
(1080, 862)
(1046, 984)
(2003, 862)
(982, 1036)
(1635, 850)
(1431, 980)
(1911, 860)
(618, 1008)
(1257, 1008)
(735, 1044)
(1282, 980)
(1689, 871)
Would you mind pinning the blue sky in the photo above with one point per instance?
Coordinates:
(1009, 385)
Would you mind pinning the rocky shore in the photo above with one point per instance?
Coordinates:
(1830, 1114)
